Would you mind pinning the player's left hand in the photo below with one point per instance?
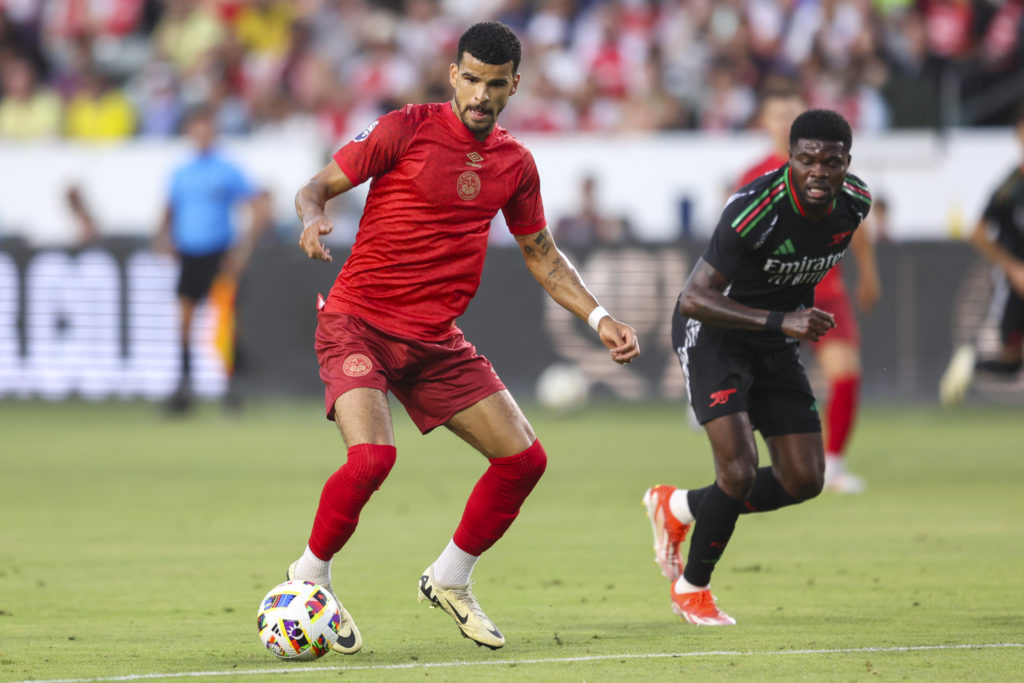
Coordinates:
(620, 339)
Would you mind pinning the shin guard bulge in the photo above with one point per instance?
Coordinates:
(345, 494)
(495, 501)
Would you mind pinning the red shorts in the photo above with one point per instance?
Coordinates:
(433, 380)
(830, 295)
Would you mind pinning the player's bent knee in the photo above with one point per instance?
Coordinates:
(526, 467)
(371, 463)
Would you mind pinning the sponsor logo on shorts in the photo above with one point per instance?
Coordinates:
(357, 365)
(720, 398)
(469, 185)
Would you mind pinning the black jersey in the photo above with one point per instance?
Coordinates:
(772, 254)
(1005, 211)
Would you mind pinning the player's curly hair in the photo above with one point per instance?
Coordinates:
(821, 124)
(492, 42)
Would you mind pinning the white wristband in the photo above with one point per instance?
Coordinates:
(595, 316)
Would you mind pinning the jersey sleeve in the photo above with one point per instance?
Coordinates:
(725, 250)
(524, 212)
(378, 148)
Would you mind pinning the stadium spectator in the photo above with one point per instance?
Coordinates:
(388, 323)
(999, 238)
(28, 109)
(99, 111)
(198, 228)
(747, 301)
(607, 65)
(838, 352)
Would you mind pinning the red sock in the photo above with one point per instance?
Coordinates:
(842, 409)
(345, 494)
(497, 497)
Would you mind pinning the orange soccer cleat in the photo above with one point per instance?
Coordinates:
(698, 607)
(669, 532)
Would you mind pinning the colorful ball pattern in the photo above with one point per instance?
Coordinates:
(298, 620)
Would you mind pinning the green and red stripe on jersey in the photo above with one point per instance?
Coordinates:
(857, 190)
(759, 208)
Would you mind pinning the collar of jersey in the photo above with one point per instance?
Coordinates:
(794, 201)
(459, 128)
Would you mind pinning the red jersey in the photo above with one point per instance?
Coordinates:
(832, 283)
(767, 165)
(422, 239)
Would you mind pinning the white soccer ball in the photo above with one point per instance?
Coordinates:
(562, 387)
(298, 620)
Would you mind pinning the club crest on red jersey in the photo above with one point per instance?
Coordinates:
(357, 365)
(469, 185)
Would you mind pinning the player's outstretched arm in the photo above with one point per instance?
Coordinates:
(560, 279)
(703, 298)
(310, 201)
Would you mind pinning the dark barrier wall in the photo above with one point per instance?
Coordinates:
(100, 322)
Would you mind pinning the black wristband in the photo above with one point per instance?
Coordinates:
(774, 322)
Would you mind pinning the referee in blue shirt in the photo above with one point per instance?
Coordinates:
(198, 227)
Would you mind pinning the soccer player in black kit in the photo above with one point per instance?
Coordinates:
(999, 238)
(747, 303)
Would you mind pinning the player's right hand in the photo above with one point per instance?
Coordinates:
(808, 323)
(310, 242)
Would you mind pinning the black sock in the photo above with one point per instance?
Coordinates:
(768, 493)
(716, 519)
(186, 366)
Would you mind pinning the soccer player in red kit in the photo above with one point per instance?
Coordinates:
(440, 173)
(839, 351)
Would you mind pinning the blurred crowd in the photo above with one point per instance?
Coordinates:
(113, 69)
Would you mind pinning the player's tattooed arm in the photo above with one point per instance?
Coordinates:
(703, 298)
(560, 279)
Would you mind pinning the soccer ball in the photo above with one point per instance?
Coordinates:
(298, 620)
(562, 387)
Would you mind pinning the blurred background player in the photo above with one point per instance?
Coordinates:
(999, 237)
(198, 227)
(838, 353)
(748, 300)
(440, 173)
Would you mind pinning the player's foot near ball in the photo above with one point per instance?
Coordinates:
(669, 532)
(698, 607)
(459, 602)
(349, 641)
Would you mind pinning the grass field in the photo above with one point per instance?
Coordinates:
(135, 546)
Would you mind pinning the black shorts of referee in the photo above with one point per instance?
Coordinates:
(198, 274)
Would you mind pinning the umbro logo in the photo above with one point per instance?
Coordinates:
(784, 248)
(474, 159)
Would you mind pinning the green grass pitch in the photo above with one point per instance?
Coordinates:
(133, 545)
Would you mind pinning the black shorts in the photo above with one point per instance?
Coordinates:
(197, 274)
(725, 376)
